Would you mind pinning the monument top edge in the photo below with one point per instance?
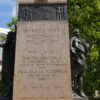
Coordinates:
(41, 1)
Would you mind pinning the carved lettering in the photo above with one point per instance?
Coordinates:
(42, 60)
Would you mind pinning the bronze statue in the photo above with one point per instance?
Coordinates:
(79, 54)
(8, 58)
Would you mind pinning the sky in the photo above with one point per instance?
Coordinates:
(7, 11)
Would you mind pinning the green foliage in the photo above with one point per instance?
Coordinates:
(0, 75)
(85, 15)
(3, 89)
(12, 24)
(2, 38)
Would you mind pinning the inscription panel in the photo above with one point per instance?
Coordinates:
(42, 68)
(29, 12)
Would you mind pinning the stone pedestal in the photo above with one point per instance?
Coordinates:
(80, 99)
(42, 64)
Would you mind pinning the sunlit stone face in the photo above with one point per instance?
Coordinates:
(42, 1)
(42, 62)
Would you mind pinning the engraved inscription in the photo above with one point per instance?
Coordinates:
(34, 57)
(42, 68)
(28, 12)
(42, 72)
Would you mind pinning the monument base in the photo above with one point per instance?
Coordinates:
(80, 99)
(5, 98)
(77, 97)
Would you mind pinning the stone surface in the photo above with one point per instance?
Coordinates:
(42, 65)
(30, 12)
(77, 97)
(42, 1)
(80, 99)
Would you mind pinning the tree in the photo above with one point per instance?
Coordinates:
(85, 15)
(12, 24)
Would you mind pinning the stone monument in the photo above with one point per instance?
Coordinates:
(42, 62)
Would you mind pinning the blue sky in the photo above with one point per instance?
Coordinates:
(7, 11)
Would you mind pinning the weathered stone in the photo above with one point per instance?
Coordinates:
(42, 63)
(42, 68)
(42, 1)
(30, 12)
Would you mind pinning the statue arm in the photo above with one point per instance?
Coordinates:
(71, 43)
(86, 46)
(77, 42)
